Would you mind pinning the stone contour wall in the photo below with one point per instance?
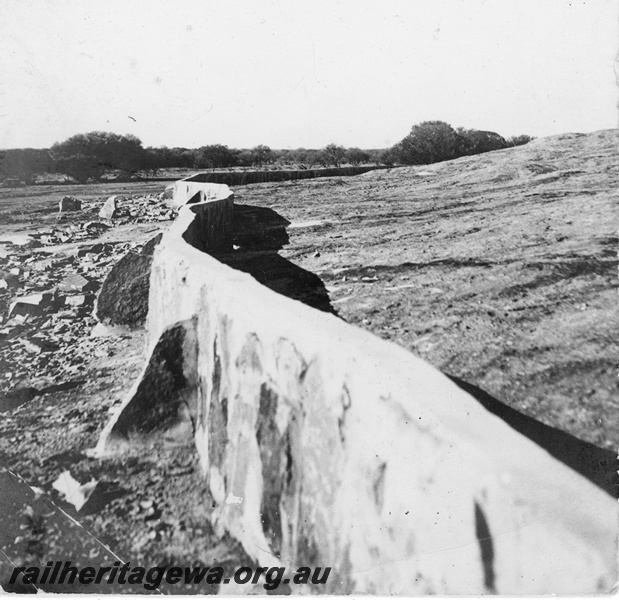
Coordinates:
(324, 445)
(248, 177)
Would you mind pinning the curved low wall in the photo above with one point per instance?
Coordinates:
(324, 445)
(247, 177)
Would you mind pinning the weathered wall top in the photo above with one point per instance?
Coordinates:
(324, 445)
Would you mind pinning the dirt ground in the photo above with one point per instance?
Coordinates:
(499, 269)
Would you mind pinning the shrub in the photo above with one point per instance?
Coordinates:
(356, 156)
(306, 159)
(25, 164)
(333, 155)
(387, 157)
(215, 156)
(262, 155)
(428, 142)
(89, 155)
(474, 141)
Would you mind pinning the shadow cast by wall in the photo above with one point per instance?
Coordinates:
(596, 464)
(258, 234)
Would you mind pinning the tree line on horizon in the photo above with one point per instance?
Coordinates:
(96, 154)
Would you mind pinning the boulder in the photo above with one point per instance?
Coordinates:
(34, 304)
(68, 204)
(76, 300)
(110, 209)
(123, 299)
(74, 283)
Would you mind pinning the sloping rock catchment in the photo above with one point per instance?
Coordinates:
(324, 445)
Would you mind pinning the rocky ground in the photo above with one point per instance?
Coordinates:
(62, 373)
(499, 269)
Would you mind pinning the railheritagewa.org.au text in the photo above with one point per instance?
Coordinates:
(63, 573)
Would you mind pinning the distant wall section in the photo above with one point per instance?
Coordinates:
(273, 176)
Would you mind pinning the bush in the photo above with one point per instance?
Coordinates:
(333, 155)
(262, 155)
(435, 141)
(283, 158)
(306, 159)
(356, 156)
(428, 142)
(155, 159)
(474, 141)
(216, 156)
(387, 157)
(25, 164)
(89, 155)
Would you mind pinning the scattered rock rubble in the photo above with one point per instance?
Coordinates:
(61, 375)
(138, 209)
(48, 287)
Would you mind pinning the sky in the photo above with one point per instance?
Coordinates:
(302, 73)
